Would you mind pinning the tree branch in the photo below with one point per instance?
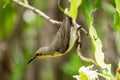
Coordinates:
(78, 49)
(37, 11)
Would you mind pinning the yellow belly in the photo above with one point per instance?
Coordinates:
(57, 54)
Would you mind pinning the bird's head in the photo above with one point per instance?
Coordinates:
(42, 50)
(39, 53)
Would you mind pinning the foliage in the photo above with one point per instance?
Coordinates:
(118, 6)
(24, 41)
(73, 11)
(99, 55)
(86, 73)
(88, 10)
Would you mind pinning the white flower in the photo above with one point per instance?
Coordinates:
(88, 71)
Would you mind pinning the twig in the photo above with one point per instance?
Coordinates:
(37, 11)
(79, 53)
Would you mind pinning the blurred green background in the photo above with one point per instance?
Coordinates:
(22, 32)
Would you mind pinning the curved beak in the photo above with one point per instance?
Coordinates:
(32, 59)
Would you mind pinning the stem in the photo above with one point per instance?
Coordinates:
(37, 11)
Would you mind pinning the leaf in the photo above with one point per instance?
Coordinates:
(6, 2)
(97, 4)
(117, 22)
(118, 6)
(99, 55)
(59, 6)
(87, 10)
(74, 5)
(107, 76)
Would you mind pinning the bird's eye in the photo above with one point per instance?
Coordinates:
(37, 54)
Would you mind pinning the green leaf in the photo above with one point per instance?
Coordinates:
(97, 4)
(118, 6)
(6, 2)
(117, 16)
(87, 10)
(117, 22)
(60, 7)
(73, 11)
(99, 55)
(107, 76)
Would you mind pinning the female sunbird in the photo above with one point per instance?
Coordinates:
(62, 43)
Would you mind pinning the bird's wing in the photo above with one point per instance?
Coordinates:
(61, 41)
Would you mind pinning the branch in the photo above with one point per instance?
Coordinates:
(37, 11)
(78, 49)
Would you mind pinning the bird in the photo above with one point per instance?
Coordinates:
(63, 42)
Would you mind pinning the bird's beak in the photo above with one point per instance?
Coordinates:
(32, 59)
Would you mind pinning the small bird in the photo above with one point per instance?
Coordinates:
(62, 43)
